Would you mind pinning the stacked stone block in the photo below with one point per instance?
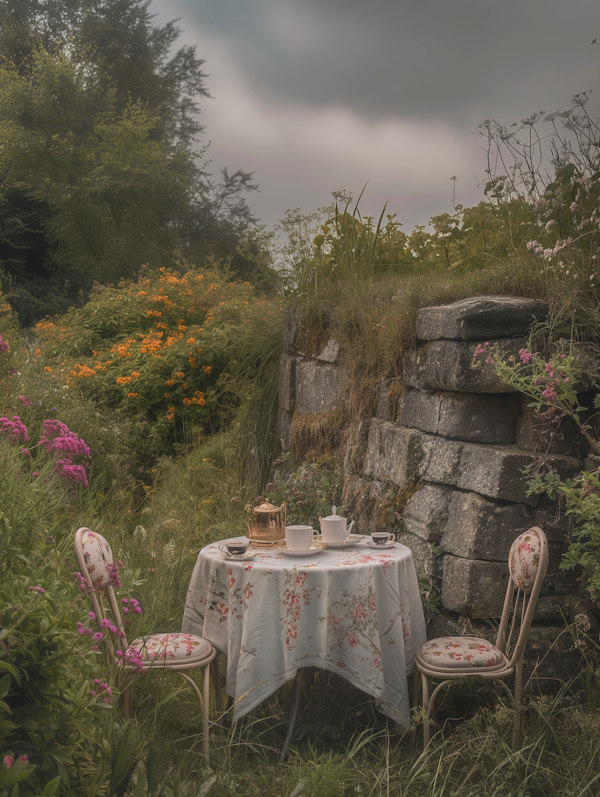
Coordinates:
(307, 384)
(463, 438)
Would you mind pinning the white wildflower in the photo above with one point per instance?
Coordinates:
(169, 549)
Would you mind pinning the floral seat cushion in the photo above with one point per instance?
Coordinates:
(460, 653)
(171, 648)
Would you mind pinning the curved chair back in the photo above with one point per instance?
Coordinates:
(96, 564)
(527, 563)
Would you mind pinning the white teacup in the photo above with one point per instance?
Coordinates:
(381, 537)
(299, 538)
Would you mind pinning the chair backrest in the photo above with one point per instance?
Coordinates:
(96, 564)
(527, 563)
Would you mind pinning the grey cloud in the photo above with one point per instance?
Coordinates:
(426, 59)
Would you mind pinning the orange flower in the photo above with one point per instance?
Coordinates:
(191, 340)
(135, 374)
(187, 401)
(170, 382)
(132, 395)
(207, 369)
(180, 373)
(123, 380)
(167, 395)
(50, 371)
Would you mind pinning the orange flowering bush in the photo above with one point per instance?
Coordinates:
(154, 348)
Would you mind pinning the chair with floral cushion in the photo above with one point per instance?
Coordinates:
(175, 652)
(452, 658)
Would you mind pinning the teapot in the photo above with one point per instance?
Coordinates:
(266, 523)
(334, 528)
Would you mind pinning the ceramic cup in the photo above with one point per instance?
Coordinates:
(382, 537)
(299, 538)
(236, 547)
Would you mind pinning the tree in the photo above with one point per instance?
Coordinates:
(97, 124)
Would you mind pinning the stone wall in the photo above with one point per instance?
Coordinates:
(447, 458)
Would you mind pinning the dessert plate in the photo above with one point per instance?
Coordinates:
(314, 549)
(352, 539)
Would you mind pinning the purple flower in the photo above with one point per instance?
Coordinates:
(41, 590)
(14, 428)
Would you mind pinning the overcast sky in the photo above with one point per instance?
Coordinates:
(315, 96)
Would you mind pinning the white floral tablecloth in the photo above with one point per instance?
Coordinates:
(355, 611)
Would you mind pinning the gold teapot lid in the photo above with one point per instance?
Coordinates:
(266, 507)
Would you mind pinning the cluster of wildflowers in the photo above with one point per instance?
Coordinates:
(102, 688)
(4, 347)
(113, 573)
(70, 472)
(130, 605)
(38, 589)
(549, 252)
(26, 401)
(14, 428)
(58, 439)
(481, 350)
(165, 353)
(525, 356)
(132, 657)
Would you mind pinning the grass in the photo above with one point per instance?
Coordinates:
(559, 752)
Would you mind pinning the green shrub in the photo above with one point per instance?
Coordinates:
(153, 349)
(47, 711)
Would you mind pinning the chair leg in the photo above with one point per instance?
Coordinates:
(425, 686)
(203, 705)
(516, 721)
(206, 701)
(415, 702)
(215, 671)
(125, 699)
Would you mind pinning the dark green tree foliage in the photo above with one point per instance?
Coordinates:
(98, 115)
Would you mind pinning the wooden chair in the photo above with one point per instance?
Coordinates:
(452, 658)
(175, 652)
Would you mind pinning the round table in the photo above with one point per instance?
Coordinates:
(355, 611)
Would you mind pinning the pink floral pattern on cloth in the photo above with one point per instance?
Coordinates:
(524, 559)
(352, 611)
(171, 648)
(460, 652)
(98, 558)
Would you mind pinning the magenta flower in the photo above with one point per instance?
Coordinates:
(14, 428)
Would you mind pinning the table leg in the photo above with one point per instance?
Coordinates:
(372, 713)
(290, 733)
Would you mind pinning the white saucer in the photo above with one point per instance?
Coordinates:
(353, 539)
(314, 549)
(368, 543)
